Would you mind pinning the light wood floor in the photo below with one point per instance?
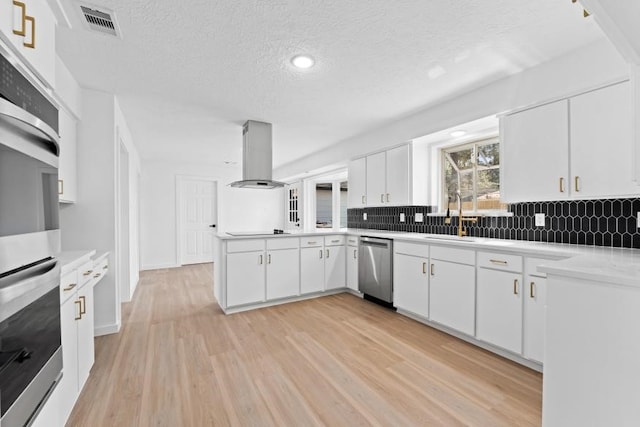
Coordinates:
(336, 361)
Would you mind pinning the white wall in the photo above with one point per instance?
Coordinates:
(239, 209)
(585, 68)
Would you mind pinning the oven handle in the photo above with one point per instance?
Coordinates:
(13, 111)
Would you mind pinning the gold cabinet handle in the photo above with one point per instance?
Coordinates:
(576, 182)
(382, 198)
(88, 272)
(60, 186)
(532, 290)
(561, 185)
(269, 259)
(327, 253)
(68, 288)
(387, 197)
(363, 200)
(335, 241)
(261, 259)
(320, 253)
(23, 30)
(105, 267)
(498, 261)
(424, 268)
(515, 286)
(79, 316)
(433, 271)
(311, 243)
(95, 276)
(355, 252)
(32, 44)
(83, 305)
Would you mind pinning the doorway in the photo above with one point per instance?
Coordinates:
(197, 219)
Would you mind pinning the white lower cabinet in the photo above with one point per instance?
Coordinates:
(452, 295)
(535, 295)
(499, 305)
(283, 273)
(411, 284)
(311, 270)
(352, 267)
(245, 278)
(86, 348)
(335, 274)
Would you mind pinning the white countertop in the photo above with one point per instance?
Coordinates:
(612, 265)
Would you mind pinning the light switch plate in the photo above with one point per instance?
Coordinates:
(364, 216)
(402, 217)
(539, 219)
(419, 217)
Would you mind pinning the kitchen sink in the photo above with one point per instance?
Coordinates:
(450, 238)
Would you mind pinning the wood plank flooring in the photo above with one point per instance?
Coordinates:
(335, 361)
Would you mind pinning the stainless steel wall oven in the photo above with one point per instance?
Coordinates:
(30, 351)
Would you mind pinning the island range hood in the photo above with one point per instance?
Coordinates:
(256, 157)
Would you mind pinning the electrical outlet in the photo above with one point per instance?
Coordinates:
(539, 219)
(638, 220)
(364, 216)
(402, 217)
(419, 217)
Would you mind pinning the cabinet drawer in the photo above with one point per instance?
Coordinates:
(85, 273)
(414, 249)
(499, 261)
(244, 245)
(100, 269)
(68, 285)
(531, 266)
(334, 240)
(461, 256)
(283, 243)
(353, 240)
(311, 242)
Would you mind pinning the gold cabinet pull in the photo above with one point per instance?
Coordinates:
(32, 43)
(105, 267)
(433, 271)
(60, 187)
(363, 200)
(79, 304)
(88, 272)
(532, 289)
(498, 261)
(335, 241)
(387, 197)
(561, 185)
(83, 305)
(269, 259)
(424, 268)
(95, 276)
(311, 243)
(23, 9)
(382, 198)
(327, 253)
(515, 286)
(68, 288)
(320, 253)
(355, 252)
(576, 182)
(261, 259)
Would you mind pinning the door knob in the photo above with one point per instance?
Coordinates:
(212, 226)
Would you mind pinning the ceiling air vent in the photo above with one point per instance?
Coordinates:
(100, 21)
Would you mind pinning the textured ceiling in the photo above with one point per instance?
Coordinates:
(189, 73)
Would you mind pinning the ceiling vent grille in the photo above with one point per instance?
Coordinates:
(100, 21)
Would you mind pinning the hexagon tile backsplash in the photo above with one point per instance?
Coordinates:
(611, 222)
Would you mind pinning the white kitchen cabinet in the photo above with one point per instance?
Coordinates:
(85, 334)
(68, 387)
(37, 47)
(352, 263)
(283, 273)
(357, 194)
(602, 143)
(535, 294)
(411, 284)
(67, 172)
(499, 308)
(397, 176)
(335, 274)
(245, 278)
(452, 295)
(535, 154)
(376, 179)
(311, 270)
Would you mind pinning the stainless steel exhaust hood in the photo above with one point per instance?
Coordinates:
(257, 166)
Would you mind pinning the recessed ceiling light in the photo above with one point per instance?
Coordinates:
(458, 133)
(302, 61)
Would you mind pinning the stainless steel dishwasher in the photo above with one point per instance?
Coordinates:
(375, 269)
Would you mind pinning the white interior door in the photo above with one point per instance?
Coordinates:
(197, 215)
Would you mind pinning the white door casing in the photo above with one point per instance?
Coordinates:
(197, 199)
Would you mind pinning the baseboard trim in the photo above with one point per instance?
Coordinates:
(159, 266)
(239, 309)
(99, 331)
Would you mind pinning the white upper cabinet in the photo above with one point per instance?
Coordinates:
(581, 147)
(357, 193)
(376, 179)
(67, 171)
(535, 154)
(397, 173)
(30, 27)
(602, 143)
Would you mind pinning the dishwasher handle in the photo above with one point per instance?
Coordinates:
(377, 242)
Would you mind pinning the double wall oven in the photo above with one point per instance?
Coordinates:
(30, 350)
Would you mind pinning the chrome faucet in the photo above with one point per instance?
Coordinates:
(462, 231)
